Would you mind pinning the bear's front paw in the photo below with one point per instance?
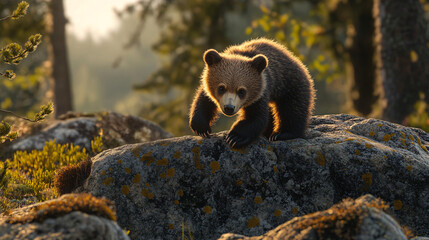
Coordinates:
(282, 136)
(237, 140)
(201, 129)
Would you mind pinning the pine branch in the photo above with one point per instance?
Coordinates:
(5, 18)
(16, 115)
(20, 11)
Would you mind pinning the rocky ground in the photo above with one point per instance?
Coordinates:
(208, 189)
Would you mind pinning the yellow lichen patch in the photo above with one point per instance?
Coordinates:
(403, 134)
(180, 193)
(357, 152)
(147, 194)
(244, 151)
(148, 158)
(387, 137)
(348, 132)
(207, 209)
(239, 182)
(278, 213)
(397, 204)
(421, 145)
(270, 148)
(127, 170)
(257, 200)
(411, 137)
(110, 169)
(320, 158)
(369, 146)
(241, 198)
(367, 178)
(162, 162)
(265, 181)
(136, 178)
(171, 172)
(103, 173)
(107, 181)
(275, 169)
(414, 56)
(295, 210)
(164, 144)
(253, 222)
(380, 125)
(196, 157)
(163, 175)
(419, 141)
(200, 141)
(349, 139)
(147, 184)
(177, 154)
(409, 167)
(214, 166)
(170, 226)
(120, 161)
(176, 202)
(385, 156)
(150, 195)
(404, 142)
(125, 189)
(136, 151)
(372, 133)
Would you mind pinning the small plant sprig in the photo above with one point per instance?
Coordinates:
(13, 53)
(19, 12)
(6, 134)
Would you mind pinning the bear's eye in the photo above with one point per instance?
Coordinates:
(221, 89)
(241, 93)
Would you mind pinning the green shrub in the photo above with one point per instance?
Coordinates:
(30, 175)
(36, 169)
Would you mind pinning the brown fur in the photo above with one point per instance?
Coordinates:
(279, 99)
(68, 178)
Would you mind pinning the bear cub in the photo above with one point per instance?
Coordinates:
(264, 82)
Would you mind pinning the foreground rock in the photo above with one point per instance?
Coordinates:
(209, 189)
(69, 217)
(363, 219)
(80, 129)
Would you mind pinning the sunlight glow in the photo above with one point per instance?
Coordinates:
(94, 18)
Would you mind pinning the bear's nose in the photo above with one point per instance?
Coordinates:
(228, 109)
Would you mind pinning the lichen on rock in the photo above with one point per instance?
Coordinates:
(253, 190)
(363, 218)
(73, 216)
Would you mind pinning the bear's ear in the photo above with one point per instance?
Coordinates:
(259, 62)
(211, 57)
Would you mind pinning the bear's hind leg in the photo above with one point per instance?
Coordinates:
(270, 125)
(293, 118)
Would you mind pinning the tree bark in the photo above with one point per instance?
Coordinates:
(402, 55)
(361, 52)
(60, 72)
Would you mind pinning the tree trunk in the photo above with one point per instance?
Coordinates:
(60, 72)
(361, 54)
(402, 55)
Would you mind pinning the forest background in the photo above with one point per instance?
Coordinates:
(368, 58)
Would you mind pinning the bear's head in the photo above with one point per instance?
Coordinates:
(233, 81)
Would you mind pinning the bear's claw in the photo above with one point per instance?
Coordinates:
(282, 136)
(237, 141)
